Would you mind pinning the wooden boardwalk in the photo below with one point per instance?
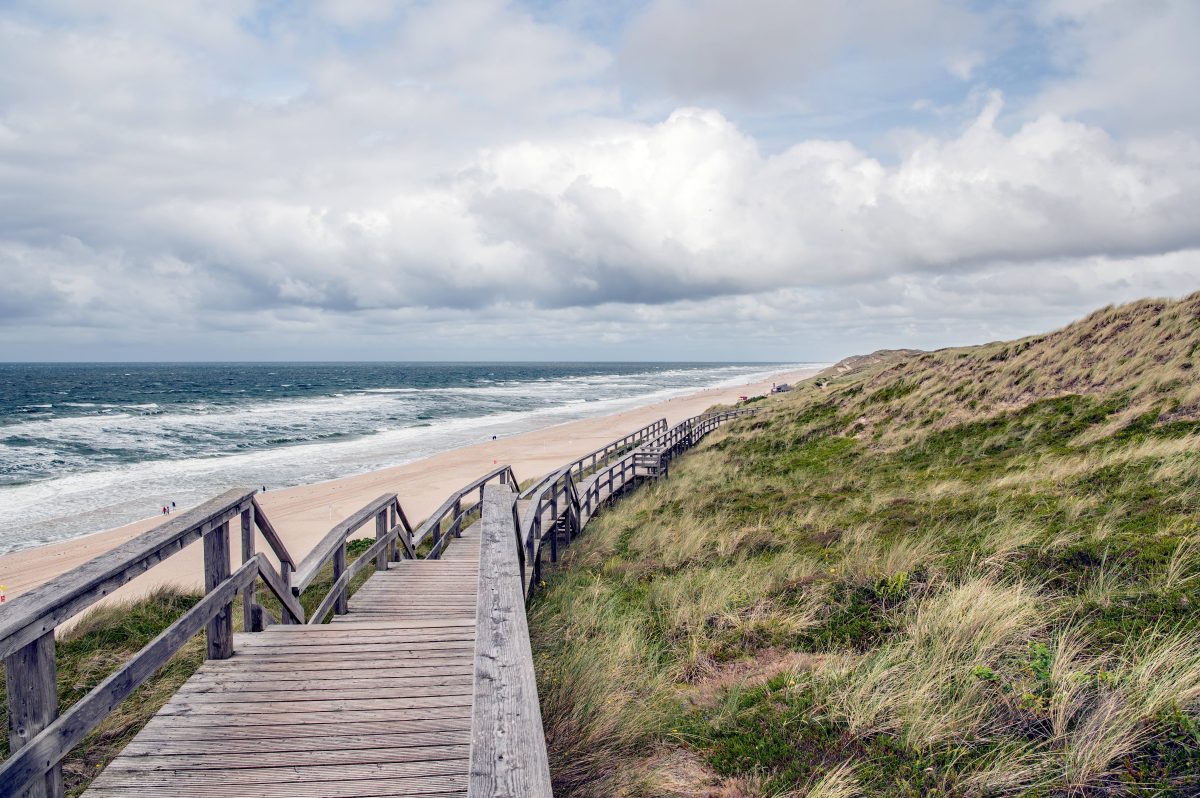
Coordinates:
(377, 702)
(422, 684)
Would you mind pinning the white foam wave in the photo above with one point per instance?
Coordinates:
(74, 503)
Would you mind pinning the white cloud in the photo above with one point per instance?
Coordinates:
(471, 169)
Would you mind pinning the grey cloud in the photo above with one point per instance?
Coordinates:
(751, 51)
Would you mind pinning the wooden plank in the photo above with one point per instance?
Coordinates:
(398, 658)
(220, 759)
(69, 728)
(352, 787)
(352, 648)
(320, 681)
(328, 633)
(327, 690)
(211, 727)
(262, 774)
(285, 743)
(327, 716)
(209, 703)
(508, 747)
(32, 614)
(439, 665)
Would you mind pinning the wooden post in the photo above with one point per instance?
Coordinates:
(381, 528)
(341, 606)
(285, 575)
(554, 524)
(32, 682)
(457, 526)
(249, 622)
(394, 552)
(216, 571)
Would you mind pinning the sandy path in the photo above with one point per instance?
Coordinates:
(304, 513)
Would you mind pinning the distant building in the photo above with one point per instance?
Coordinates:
(782, 387)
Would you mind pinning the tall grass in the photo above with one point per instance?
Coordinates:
(980, 580)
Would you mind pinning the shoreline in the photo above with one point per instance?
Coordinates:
(304, 513)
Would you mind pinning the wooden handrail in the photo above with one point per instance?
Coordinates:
(577, 464)
(368, 557)
(334, 539)
(52, 743)
(33, 614)
(508, 747)
(432, 525)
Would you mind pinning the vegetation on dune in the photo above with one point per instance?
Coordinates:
(970, 572)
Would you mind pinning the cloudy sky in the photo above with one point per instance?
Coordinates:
(666, 179)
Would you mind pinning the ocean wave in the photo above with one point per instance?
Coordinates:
(60, 477)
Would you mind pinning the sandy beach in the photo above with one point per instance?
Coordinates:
(304, 513)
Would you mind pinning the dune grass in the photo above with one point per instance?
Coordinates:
(876, 587)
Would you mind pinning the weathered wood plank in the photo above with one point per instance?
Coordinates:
(288, 774)
(221, 760)
(417, 706)
(313, 689)
(250, 620)
(508, 748)
(210, 727)
(411, 784)
(285, 743)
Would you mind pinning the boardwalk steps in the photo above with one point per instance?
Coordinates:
(421, 684)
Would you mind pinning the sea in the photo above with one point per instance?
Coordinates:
(87, 447)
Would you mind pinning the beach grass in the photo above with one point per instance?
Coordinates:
(972, 572)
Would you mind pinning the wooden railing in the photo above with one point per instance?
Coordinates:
(392, 540)
(558, 508)
(595, 460)
(508, 745)
(455, 514)
(40, 737)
